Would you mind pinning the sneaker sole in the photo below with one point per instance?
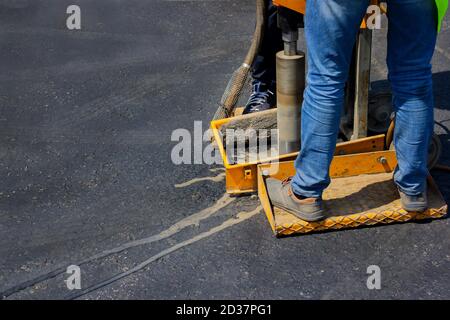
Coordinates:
(415, 208)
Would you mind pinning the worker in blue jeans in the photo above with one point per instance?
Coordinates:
(331, 28)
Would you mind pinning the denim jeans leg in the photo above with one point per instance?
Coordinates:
(263, 68)
(411, 41)
(331, 27)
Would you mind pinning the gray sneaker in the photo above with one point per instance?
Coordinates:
(416, 203)
(282, 196)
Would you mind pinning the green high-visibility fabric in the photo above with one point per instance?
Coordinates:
(442, 6)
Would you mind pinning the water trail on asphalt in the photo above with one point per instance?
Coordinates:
(191, 220)
(217, 178)
(241, 217)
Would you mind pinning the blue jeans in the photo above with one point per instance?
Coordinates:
(331, 28)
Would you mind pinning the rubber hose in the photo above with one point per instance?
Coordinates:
(390, 134)
(239, 77)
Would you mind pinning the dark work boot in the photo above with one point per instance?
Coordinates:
(262, 98)
(282, 196)
(417, 203)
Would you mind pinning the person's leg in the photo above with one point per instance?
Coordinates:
(411, 41)
(263, 95)
(263, 68)
(331, 27)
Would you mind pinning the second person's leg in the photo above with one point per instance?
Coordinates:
(263, 69)
(411, 41)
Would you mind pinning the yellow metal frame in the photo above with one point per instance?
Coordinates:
(241, 178)
(372, 163)
(300, 6)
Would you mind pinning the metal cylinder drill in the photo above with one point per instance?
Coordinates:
(290, 73)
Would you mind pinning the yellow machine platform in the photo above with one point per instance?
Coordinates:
(241, 177)
(362, 193)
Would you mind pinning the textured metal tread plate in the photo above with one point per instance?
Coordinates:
(363, 200)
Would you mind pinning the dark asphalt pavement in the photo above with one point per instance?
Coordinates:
(86, 119)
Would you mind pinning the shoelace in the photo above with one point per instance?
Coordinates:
(286, 181)
(258, 97)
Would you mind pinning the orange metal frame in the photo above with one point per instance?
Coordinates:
(300, 6)
(296, 5)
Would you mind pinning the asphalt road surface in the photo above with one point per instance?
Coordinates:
(86, 118)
